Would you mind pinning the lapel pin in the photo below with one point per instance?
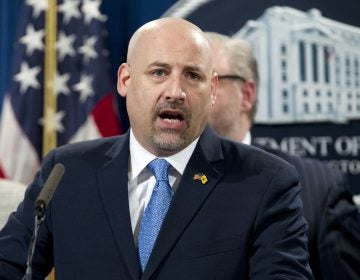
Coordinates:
(201, 177)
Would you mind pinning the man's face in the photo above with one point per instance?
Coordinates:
(227, 110)
(169, 86)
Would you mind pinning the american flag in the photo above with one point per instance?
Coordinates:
(83, 88)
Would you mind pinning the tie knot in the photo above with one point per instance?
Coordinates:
(159, 167)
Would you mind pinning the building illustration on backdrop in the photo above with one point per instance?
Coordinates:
(309, 66)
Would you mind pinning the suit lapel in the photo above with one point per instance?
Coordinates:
(113, 189)
(206, 160)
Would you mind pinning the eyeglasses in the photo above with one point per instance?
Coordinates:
(231, 77)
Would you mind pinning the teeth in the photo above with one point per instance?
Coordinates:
(172, 120)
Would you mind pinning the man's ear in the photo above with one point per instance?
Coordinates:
(123, 79)
(214, 84)
(249, 95)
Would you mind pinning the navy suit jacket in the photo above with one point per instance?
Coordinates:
(246, 222)
(333, 218)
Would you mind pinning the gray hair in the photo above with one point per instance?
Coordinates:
(241, 58)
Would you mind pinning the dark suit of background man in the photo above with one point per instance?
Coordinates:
(236, 212)
(334, 225)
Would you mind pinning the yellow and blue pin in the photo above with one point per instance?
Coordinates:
(201, 177)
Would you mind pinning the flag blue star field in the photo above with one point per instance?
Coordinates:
(83, 88)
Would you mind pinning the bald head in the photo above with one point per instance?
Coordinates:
(173, 31)
(169, 84)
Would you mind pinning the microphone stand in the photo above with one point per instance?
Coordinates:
(41, 204)
(39, 218)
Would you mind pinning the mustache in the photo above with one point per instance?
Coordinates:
(160, 107)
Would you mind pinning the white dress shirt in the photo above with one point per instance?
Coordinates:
(142, 181)
(247, 138)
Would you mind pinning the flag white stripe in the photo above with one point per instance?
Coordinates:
(87, 131)
(19, 159)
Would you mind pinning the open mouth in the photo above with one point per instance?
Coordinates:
(171, 116)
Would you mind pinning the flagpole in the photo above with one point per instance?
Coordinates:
(50, 65)
(50, 102)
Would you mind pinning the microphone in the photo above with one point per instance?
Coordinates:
(41, 203)
(48, 190)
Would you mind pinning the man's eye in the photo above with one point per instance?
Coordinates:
(159, 73)
(193, 76)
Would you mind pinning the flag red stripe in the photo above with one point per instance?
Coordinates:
(105, 117)
(2, 174)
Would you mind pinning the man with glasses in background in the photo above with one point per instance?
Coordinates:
(334, 223)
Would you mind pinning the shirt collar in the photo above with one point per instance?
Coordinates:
(247, 138)
(140, 157)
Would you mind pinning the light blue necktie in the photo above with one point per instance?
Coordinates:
(156, 209)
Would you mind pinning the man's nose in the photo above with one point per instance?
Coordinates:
(175, 91)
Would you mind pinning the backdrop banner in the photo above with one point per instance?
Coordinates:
(309, 65)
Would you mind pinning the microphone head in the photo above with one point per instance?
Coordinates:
(48, 190)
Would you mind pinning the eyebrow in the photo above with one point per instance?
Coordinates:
(167, 65)
(232, 77)
(193, 69)
(158, 63)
